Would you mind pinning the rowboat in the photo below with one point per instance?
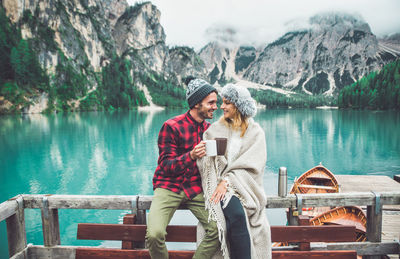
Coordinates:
(316, 180)
(345, 215)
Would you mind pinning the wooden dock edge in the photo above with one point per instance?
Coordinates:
(13, 212)
(362, 248)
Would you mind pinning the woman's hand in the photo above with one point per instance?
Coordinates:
(219, 192)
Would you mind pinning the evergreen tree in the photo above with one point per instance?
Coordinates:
(9, 36)
(377, 90)
(117, 85)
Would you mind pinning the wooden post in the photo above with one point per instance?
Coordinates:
(303, 220)
(292, 216)
(140, 212)
(16, 233)
(374, 224)
(140, 219)
(50, 224)
(129, 219)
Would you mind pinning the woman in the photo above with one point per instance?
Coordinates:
(233, 183)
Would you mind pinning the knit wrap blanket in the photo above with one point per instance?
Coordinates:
(243, 167)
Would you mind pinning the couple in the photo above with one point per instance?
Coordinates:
(225, 193)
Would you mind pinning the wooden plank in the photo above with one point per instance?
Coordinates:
(303, 220)
(362, 248)
(101, 253)
(391, 226)
(367, 183)
(127, 232)
(316, 187)
(7, 209)
(281, 202)
(113, 202)
(374, 227)
(128, 219)
(141, 219)
(132, 232)
(16, 233)
(313, 233)
(374, 224)
(104, 253)
(314, 254)
(54, 252)
(123, 202)
(50, 224)
(21, 255)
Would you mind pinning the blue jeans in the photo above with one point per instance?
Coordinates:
(238, 234)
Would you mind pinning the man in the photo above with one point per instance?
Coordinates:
(177, 179)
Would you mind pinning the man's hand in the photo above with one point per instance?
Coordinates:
(198, 151)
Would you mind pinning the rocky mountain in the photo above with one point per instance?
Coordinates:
(390, 43)
(335, 51)
(83, 44)
(87, 35)
(225, 64)
(183, 62)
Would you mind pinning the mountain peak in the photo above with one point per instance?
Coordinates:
(327, 20)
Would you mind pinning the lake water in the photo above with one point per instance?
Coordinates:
(116, 154)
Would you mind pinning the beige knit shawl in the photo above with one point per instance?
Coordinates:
(243, 166)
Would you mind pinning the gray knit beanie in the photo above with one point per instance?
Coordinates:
(241, 98)
(197, 90)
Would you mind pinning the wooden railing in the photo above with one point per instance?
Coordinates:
(13, 212)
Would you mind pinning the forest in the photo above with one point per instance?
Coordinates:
(376, 91)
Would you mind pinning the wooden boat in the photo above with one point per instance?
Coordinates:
(316, 180)
(345, 215)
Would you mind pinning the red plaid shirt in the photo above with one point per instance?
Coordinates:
(176, 171)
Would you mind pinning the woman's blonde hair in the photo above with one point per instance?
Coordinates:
(238, 122)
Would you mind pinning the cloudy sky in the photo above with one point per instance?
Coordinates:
(193, 22)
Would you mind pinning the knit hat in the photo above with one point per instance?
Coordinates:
(197, 90)
(241, 98)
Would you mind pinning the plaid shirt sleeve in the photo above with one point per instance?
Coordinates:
(170, 159)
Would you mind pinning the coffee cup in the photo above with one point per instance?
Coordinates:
(221, 145)
(211, 147)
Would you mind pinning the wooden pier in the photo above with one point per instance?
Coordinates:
(375, 201)
(376, 184)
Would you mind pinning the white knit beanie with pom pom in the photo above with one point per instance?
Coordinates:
(241, 98)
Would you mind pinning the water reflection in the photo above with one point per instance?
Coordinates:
(347, 142)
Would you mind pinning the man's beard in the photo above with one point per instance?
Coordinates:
(203, 113)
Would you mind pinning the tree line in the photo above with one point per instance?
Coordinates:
(20, 71)
(377, 91)
(273, 99)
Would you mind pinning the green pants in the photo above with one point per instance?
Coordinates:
(163, 207)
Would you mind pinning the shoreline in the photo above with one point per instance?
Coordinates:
(151, 108)
(327, 107)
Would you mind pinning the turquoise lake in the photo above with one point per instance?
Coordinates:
(116, 154)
